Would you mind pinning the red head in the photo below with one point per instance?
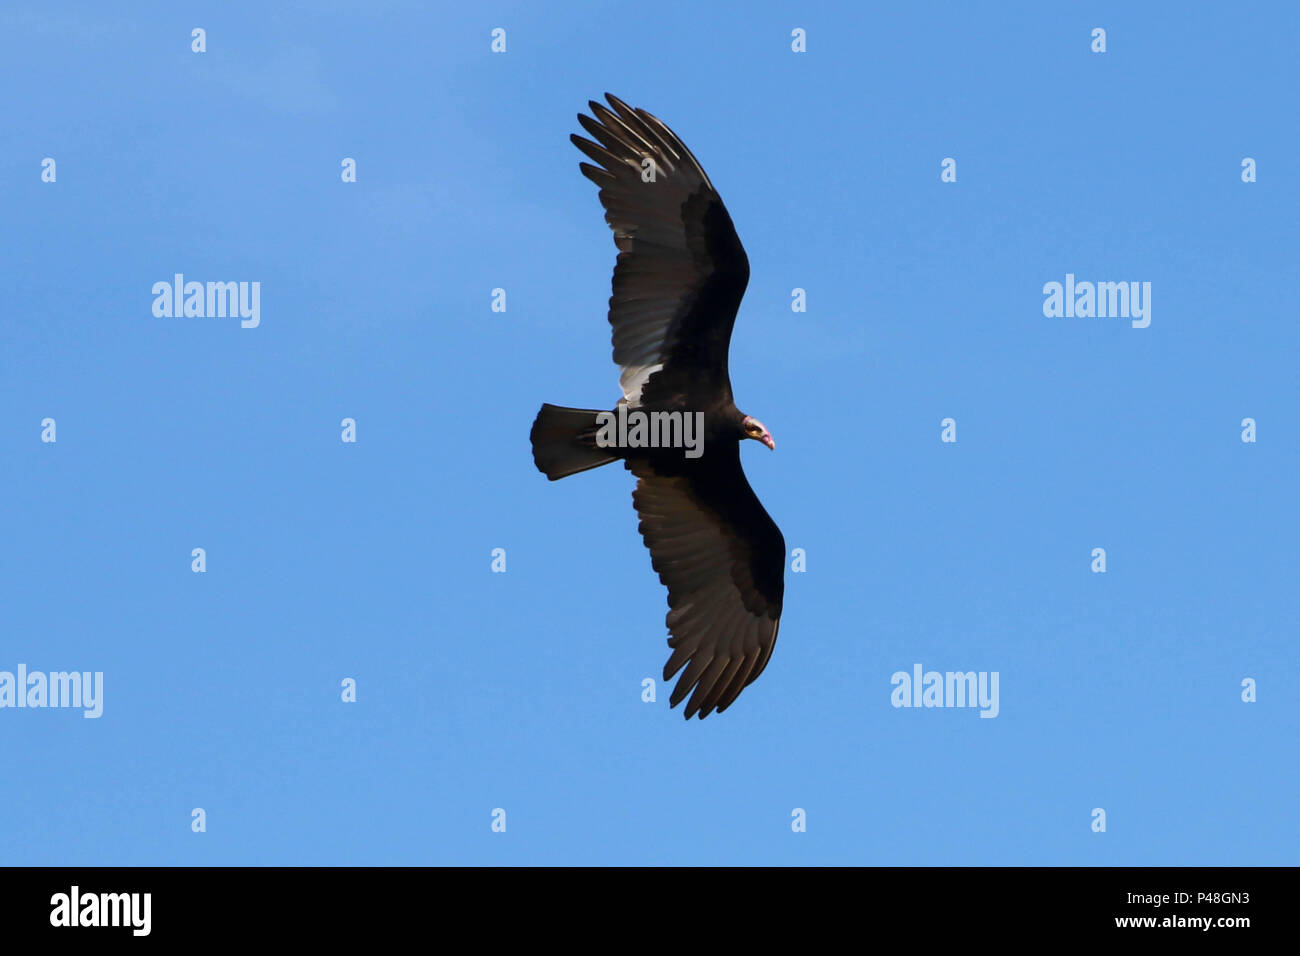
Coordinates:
(751, 427)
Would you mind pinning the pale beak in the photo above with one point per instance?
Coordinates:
(768, 440)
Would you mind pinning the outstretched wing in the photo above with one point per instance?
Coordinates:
(722, 559)
(681, 269)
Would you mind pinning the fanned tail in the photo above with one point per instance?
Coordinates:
(564, 441)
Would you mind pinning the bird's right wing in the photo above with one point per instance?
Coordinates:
(681, 269)
(722, 559)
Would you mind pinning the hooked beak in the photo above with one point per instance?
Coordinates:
(768, 440)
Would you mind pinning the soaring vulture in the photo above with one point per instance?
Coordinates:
(680, 275)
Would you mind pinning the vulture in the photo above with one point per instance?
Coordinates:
(678, 281)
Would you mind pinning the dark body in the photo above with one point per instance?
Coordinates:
(678, 281)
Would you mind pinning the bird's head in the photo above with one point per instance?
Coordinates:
(751, 427)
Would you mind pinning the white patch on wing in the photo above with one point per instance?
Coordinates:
(634, 378)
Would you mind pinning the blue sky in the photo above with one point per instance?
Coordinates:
(522, 690)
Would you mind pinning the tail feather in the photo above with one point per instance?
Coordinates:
(564, 441)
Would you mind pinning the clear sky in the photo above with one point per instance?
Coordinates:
(522, 690)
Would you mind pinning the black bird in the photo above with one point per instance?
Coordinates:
(678, 281)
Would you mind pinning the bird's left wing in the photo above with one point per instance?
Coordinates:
(681, 269)
(722, 559)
